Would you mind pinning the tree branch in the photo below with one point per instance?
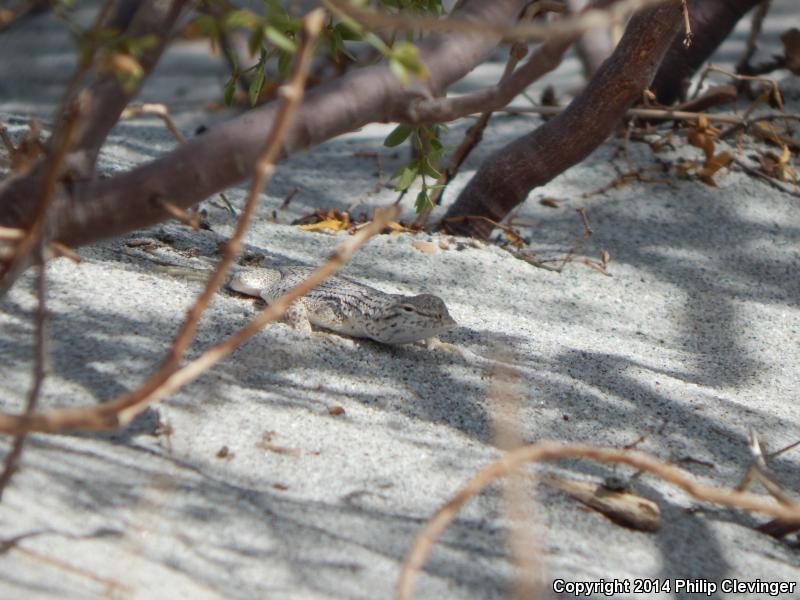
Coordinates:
(712, 21)
(101, 209)
(505, 178)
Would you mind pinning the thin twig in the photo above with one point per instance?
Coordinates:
(743, 66)
(661, 114)
(39, 372)
(155, 110)
(549, 451)
(765, 178)
(121, 411)
(591, 19)
(61, 143)
(110, 414)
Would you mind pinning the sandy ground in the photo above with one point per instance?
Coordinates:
(245, 485)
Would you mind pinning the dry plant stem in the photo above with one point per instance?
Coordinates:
(507, 176)
(756, 24)
(108, 96)
(154, 110)
(591, 19)
(84, 120)
(52, 168)
(712, 21)
(765, 178)
(513, 82)
(39, 371)
(523, 532)
(291, 95)
(121, 411)
(105, 208)
(548, 451)
(665, 114)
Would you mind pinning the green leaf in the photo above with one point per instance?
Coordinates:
(255, 40)
(207, 26)
(230, 90)
(347, 32)
(422, 202)
(239, 18)
(407, 175)
(428, 169)
(399, 71)
(280, 40)
(398, 135)
(256, 84)
(284, 63)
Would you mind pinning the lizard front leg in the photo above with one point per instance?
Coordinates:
(297, 316)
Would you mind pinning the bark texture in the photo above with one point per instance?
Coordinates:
(505, 178)
(225, 155)
(711, 21)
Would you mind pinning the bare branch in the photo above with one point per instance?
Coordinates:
(549, 451)
(106, 208)
(505, 178)
(39, 371)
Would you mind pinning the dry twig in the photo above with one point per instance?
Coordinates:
(548, 451)
(576, 25)
(39, 371)
(170, 376)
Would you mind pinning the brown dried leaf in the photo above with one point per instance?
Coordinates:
(397, 227)
(551, 202)
(426, 247)
(328, 225)
(717, 162)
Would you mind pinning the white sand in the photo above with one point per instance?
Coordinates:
(692, 342)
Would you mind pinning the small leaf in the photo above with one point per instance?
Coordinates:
(399, 71)
(423, 202)
(230, 90)
(256, 84)
(326, 225)
(398, 135)
(280, 40)
(429, 170)
(407, 176)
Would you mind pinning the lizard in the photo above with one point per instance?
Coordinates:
(348, 307)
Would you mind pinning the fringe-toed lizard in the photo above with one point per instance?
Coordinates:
(350, 308)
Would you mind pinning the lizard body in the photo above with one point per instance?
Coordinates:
(350, 308)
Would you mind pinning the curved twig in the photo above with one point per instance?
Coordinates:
(548, 451)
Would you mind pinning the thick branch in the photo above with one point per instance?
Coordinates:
(108, 98)
(506, 177)
(225, 155)
(712, 21)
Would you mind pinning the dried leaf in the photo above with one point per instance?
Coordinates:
(551, 202)
(397, 227)
(426, 247)
(717, 162)
(327, 225)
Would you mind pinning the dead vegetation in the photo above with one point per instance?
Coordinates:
(52, 200)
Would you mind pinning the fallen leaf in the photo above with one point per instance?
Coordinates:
(551, 202)
(426, 247)
(333, 225)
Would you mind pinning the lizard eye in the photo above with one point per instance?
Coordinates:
(408, 308)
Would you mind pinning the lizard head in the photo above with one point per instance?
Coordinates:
(411, 318)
